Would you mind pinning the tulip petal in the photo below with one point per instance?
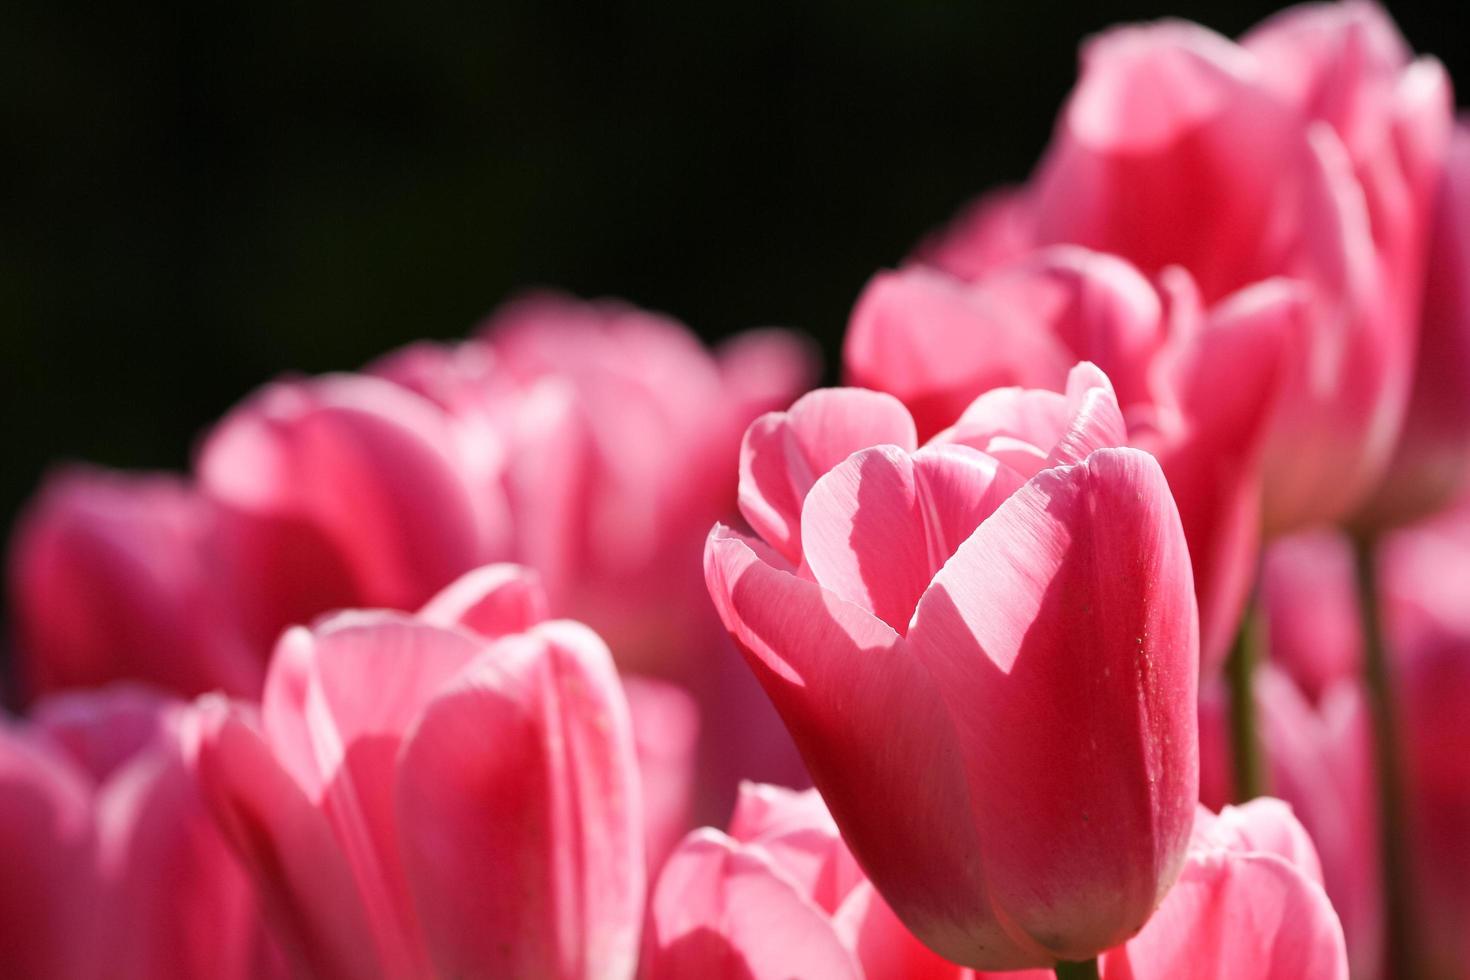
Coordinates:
(722, 911)
(1167, 119)
(666, 737)
(1235, 916)
(1063, 639)
(936, 342)
(285, 843)
(340, 483)
(884, 946)
(519, 816)
(1264, 825)
(50, 898)
(493, 601)
(794, 829)
(1029, 429)
(878, 525)
(784, 453)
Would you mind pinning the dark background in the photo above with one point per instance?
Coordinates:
(195, 200)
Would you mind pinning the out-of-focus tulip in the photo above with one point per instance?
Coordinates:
(1422, 571)
(111, 577)
(937, 343)
(338, 492)
(113, 867)
(1313, 629)
(649, 435)
(616, 437)
(415, 799)
(945, 636)
(1432, 459)
(501, 600)
(1248, 905)
(779, 896)
(1320, 761)
(1317, 758)
(1312, 150)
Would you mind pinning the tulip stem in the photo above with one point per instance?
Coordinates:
(1245, 740)
(1086, 970)
(1402, 950)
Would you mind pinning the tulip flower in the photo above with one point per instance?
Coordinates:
(1311, 611)
(113, 867)
(342, 491)
(937, 343)
(502, 600)
(1312, 724)
(1432, 458)
(781, 896)
(1248, 905)
(1012, 599)
(112, 577)
(1311, 151)
(1319, 760)
(418, 800)
(613, 437)
(1422, 570)
(647, 435)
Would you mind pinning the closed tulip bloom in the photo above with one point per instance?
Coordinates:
(113, 866)
(938, 625)
(1248, 905)
(337, 492)
(1312, 611)
(614, 437)
(937, 343)
(1320, 761)
(1312, 150)
(1432, 458)
(1422, 571)
(1317, 740)
(647, 426)
(112, 577)
(415, 800)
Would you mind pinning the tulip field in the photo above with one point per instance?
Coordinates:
(1109, 618)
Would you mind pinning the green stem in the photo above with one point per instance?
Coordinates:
(1401, 947)
(1245, 739)
(1077, 971)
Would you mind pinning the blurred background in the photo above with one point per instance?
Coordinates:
(198, 199)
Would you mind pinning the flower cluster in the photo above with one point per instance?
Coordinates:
(1111, 623)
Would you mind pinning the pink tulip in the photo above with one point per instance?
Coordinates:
(937, 343)
(1311, 151)
(113, 867)
(1325, 771)
(1312, 611)
(418, 800)
(1432, 459)
(1319, 760)
(647, 428)
(928, 581)
(1248, 905)
(779, 896)
(341, 491)
(112, 577)
(501, 600)
(1423, 575)
(615, 436)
